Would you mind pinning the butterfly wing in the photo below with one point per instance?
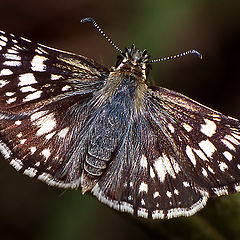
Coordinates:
(176, 155)
(43, 108)
(56, 122)
(207, 140)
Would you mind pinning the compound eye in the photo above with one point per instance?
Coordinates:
(119, 60)
(148, 68)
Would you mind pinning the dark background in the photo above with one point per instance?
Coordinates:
(33, 210)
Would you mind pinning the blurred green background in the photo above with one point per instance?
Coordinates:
(33, 210)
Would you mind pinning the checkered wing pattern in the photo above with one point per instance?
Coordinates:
(39, 89)
(149, 151)
(181, 154)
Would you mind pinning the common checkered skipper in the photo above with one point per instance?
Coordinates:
(149, 151)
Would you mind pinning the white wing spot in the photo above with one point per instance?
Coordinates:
(17, 164)
(37, 115)
(12, 56)
(32, 96)
(207, 147)
(236, 136)
(47, 124)
(176, 192)
(31, 172)
(232, 139)
(5, 150)
(187, 127)
(168, 166)
(228, 155)
(27, 89)
(143, 162)
(238, 166)
(220, 191)
(5, 72)
(12, 63)
(223, 166)
(45, 177)
(50, 135)
(27, 40)
(191, 155)
(38, 63)
(169, 194)
(9, 94)
(228, 144)
(17, 47)
(160, 169)
(37, 164)
(2, 43)
(158, 214)
(12, 51)
(43, 51)
(175, 165)
(19, 135)
(143, 202)
(200, 154)
(142, 212)
(46, 153)
(55, 77)
(33, 150)
(237, 187)
(211, 170)
(143, 187)
(18, 122)
(63, 132)
(65, 88)
(152, 174)
(186, 184)
(3, 37)
(22, 141)
(156, 194)
(26, 79)
(130, 198)
(38, 51)
(11, 100)
(3, 83)
(171, 128)
(204, 172)
(209, 128)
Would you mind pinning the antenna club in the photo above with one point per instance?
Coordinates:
(92, 21)
(196, 52)
(177, 56)
(88, 19)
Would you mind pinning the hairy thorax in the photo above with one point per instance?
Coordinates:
(128, 85)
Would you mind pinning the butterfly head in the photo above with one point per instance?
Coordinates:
(135, 60)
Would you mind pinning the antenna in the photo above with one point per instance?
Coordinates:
(177, 56)
(92, 21)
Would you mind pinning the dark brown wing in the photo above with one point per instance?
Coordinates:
(44, 96)
(176, 155)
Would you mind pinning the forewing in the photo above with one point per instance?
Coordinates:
(44, 96)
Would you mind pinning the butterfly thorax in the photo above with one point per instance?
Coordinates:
(128, 78)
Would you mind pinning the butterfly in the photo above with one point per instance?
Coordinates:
(149, 151)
